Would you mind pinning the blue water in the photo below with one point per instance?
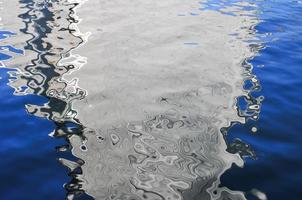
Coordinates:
(277, 143)
(29, 167)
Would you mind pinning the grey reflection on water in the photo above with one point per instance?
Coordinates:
(161, 84)
(50, 38)
(161, 81)
(44, 29)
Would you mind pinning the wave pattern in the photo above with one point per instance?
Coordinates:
(161, 158)
(176, 154)
(48, 38)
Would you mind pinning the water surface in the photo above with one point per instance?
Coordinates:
(136, 99)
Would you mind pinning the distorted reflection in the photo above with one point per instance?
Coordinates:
(143, 97)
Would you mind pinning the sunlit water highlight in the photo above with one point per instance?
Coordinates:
(142, 92)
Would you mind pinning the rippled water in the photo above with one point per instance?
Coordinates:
(150, 99)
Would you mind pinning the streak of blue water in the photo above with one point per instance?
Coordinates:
(28, 158)
(29, 167)
(27, 153)
(277, 171)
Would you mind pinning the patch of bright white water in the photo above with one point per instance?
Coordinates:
(160, 79)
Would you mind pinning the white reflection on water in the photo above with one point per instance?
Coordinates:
(161, 83)
(160, 79)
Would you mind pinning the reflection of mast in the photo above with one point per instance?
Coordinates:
(53, 36)
(48, 24)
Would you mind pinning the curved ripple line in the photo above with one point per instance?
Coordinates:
(52, 35)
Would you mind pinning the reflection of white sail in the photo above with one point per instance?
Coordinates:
(162, 78)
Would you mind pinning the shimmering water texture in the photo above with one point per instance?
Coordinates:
(143, 93)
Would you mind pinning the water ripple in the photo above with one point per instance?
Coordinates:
(158, 137)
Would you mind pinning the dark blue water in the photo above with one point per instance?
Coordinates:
(29, 167)
(277, 143)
